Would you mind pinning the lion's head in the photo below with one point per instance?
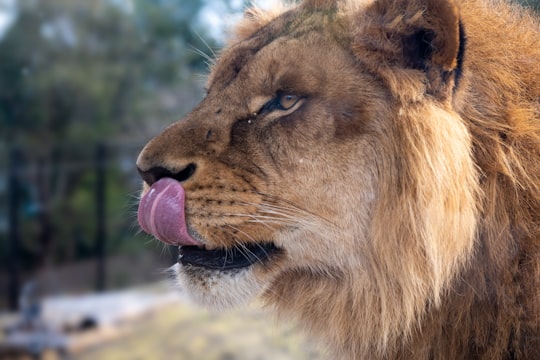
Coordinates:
(326, 169)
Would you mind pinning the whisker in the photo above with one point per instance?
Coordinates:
(242, 248)
(209, 60)
(287, 215)
(206, 44)
(263, 220)
(286, 205)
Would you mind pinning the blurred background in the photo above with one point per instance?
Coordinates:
(83, 86)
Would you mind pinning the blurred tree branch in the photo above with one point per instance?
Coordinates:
(76, 72)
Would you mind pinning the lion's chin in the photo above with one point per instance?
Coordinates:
(224, 278)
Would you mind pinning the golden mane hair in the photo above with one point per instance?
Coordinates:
(492, 291)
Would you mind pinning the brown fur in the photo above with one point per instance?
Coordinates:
(403, 188)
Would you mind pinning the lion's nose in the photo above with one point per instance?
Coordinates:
(153, 174)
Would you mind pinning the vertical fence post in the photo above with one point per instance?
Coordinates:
(14, 230)
(101, 233)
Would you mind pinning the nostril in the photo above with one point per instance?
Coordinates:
(185, 173)
(152, 175)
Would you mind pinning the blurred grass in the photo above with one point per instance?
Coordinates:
(183, 331)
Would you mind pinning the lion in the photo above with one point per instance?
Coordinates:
(370, 168)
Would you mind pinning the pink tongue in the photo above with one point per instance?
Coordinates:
(161, 213)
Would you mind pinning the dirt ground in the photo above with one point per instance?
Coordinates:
(182, 331)
(177, 330)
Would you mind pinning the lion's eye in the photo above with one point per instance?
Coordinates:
(282, 101)
(287, 101)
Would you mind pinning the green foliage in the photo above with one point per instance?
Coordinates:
(74, 73)
(534, 4)
(73, 68)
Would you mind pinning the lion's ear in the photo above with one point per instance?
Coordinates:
(411, 34)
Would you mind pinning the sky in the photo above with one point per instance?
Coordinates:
(212, 13)
(7, 15)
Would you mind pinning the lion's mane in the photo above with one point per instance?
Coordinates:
(454, 267)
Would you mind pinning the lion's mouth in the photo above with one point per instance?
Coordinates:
(162, 214)
(226, 259)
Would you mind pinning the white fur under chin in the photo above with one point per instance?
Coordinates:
(217, 290)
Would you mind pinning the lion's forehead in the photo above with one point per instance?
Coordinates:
(288, 39)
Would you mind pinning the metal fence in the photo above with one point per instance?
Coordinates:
(64, 204)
